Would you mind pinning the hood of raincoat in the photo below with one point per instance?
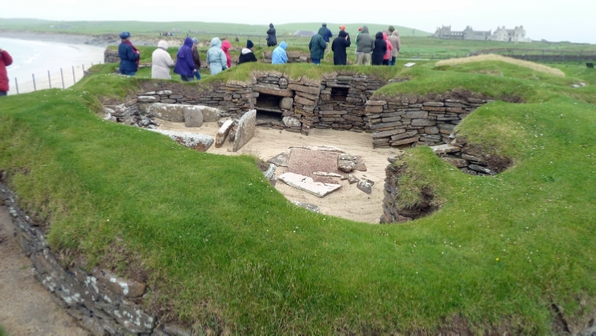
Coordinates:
(342, 33)
(226, 45)
(163, 45)
(215, 42)
(283, 45)
(385, 37)
(364, 29)
(322, 31)
(379, 35)
(395, 33)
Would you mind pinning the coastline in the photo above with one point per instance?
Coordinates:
(100, 40)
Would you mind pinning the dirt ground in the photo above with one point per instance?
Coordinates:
(26, 308)
(347, 202)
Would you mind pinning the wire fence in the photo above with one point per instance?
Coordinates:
(57, 79)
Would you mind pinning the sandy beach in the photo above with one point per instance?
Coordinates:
(348, 202)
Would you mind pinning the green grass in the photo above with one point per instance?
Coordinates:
(225, 251)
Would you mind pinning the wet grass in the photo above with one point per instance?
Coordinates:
(226, 252)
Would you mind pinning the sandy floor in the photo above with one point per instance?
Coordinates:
(26, 308)
(347, 202)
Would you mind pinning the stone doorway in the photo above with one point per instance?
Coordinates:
(268, 103)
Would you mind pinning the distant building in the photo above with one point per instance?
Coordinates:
(305, 33)
(501, 34)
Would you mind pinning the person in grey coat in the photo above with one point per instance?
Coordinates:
(216, 59)
(161, 61)
(364, 47)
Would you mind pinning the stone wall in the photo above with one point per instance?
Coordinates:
(293, 57)
(411, 120)
(340, 101)
(101, 302)
(111, 56)
(468, 158)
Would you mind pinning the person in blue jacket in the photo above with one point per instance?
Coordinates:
(279, 55)
(185, 65)
(129, 56)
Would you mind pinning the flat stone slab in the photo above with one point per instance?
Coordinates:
(246, 129)
(199, 142)
(280, 160)
(307, 184)
(446, 149)
(193, 118)
(307, 206)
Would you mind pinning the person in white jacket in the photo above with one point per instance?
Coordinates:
(161, 61)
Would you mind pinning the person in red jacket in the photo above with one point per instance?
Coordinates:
(5, 60)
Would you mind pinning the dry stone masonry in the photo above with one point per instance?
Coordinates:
(101, 301)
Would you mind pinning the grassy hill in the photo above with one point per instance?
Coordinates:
(182, 27)
(225, 252)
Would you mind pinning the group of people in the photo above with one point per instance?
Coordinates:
(380, 50)
(188, 60)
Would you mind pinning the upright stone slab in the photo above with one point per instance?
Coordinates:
(223, 132)
(193, 118)
(170, 112)
(210, 114)
(246, 129)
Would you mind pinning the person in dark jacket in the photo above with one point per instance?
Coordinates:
(246, 55)
(185, 65)
(271, 39)
(339, 45)
(317, 46)
(196, 57)
(5, 60)
(328, 35)
(379, 50)
(129, 56)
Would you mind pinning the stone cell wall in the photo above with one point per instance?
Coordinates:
(101, 302)
(469, 159)
(415, 120)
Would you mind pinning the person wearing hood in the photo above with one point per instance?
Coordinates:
(279, 55)
(246, 55)
(196, 58)
(364, 46)
(271, 38)
(226, 46)
(161, 61)
(396, 44)
(185, 66)
(5, 60)
(379, 50)
(317, 46)
(387, 56)
(216, 59)
(129, 56)
(339, 45)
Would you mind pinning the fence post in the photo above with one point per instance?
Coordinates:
(83, 67)
(34, 86)
(74, 79)
(16, 83)
(62, 76)
(49, 79)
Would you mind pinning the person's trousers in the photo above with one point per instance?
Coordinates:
(385, 62)
(363, 59)
(392, 62)
(197, 74)
(316, 61)
(187, 78)
(128, 73)
(3, 93)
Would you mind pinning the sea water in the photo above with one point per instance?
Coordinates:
(34, 59)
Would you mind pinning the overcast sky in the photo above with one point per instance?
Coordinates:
(552, 20)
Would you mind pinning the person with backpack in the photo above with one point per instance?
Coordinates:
(185, 65)
(216, 59)
(246, 54)
(317, 46)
